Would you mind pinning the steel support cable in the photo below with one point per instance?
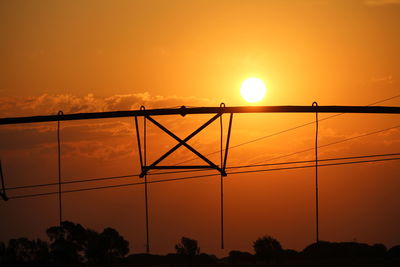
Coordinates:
(329, 144)
(204, 176)
(289, 129)
(60, 113)
(315, 104)
(301, 151)
(308, 161)
(252, 165)
(222, 180)
(230, 168)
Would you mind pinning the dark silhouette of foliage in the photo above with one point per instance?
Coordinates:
(72, 244)
(290, 254)
(67, 243)
(141, 259)
(187, 247)
(2, 253)
(105, 248)
(204, 258)
(326, 250)
(394, 252)
(23, 251)
(240, 257)
(379, 250)
(267, 248)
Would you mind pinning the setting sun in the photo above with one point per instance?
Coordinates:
(253, 90)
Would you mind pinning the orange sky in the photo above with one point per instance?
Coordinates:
(101, 55)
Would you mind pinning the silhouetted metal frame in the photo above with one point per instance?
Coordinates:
(143, 162)
(315, 104)
(3, 194)
(181, 142)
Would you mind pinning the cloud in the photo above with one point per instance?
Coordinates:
(383, 79)
(99, 150)
(381, 2)
(47, 104)
(91, 138)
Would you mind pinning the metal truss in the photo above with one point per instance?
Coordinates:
(182, 142)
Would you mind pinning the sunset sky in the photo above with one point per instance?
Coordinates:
(88, 56)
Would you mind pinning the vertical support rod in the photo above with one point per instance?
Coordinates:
(3, 188)
(222, 184)
(227, 141)
(60, 113)
(316, 175)
(146, 186)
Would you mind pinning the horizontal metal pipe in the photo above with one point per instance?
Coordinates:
(179, 167)
(203, 110)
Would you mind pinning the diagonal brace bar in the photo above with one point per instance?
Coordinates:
(184, 143)
(227, 142)
(139, 144)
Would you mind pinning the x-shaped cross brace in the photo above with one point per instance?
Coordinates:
(181, 142)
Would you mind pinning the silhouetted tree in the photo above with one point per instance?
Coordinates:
(2, 253)
(113, 246)
(267, 248)
(72, 244)
(187, 247)
(22, 251)
(394, 252)
(92, 247)
(105, 248)
(379, 250)
(67, 243)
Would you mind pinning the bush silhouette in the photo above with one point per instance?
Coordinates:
(71, 244)
(267, 248)
(394, 252)
(187, 247)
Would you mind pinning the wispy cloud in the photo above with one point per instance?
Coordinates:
(91, 139)
(383, 79)
(381, 2)
(50, 104)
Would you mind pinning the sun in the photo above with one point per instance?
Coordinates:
(253, 90)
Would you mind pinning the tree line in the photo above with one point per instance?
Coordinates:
(70, 244)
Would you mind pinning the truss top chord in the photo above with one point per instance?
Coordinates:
(203, 110)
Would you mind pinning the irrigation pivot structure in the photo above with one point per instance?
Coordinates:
(217, 112)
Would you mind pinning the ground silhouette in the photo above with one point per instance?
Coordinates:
(71, 244)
